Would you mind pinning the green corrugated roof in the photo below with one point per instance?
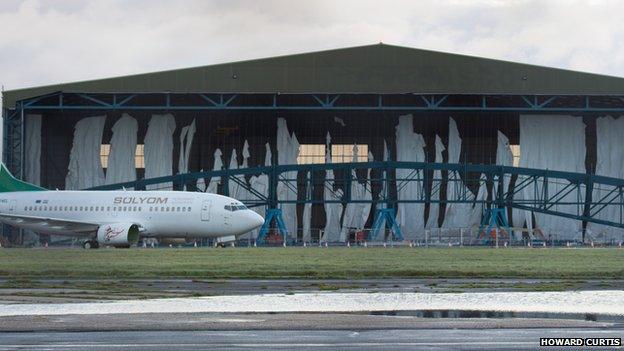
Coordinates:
(377, 68)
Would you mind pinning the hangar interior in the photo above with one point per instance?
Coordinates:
(412, 131)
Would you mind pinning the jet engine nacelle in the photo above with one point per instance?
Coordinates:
(118, 234)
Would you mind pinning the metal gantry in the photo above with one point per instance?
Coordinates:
(580, 196)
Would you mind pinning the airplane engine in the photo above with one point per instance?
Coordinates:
(118, 234)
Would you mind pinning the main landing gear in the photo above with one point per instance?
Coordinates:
(90, 244)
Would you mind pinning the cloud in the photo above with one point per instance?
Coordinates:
(46, 42)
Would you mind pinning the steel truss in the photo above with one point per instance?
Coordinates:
(564, 194)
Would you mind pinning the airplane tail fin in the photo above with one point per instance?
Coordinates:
(8, 183)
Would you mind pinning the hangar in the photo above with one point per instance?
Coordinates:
(329, 144)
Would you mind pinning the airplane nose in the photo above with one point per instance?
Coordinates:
(257, 220)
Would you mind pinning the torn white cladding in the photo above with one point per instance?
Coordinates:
(32, 149)
(122, 158)
(356, 213)
(287, 153)
(609, 163)
(186, 141)
(477, 208)
(410, 216)
(237, 190)
(434, 207)
(32, 163)
(85, 168)
(201, 183)
(504, 157)
(340, 121)
(213, 186)
(159, 150)
(333, 210)
(555, 143)
(260, 184)
(307, 212)
(457, 215)
(384, 191)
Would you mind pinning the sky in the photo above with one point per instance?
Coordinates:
(47, 42)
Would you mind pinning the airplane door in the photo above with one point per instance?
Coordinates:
(205, 210)
(12, 205)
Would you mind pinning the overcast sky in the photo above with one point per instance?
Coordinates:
(46, 42)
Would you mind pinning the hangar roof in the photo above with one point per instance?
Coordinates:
(379, 68)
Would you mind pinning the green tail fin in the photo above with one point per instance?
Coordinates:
(8, 183)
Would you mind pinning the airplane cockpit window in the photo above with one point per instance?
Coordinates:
(234, 207)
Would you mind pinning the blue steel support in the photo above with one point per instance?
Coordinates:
(372, 102)
(387, 215)
(494, 217)
(272, 214)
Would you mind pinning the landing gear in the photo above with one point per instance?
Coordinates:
(90, 244)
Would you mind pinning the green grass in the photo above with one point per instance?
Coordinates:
(318, 263)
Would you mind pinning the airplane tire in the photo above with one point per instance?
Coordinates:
(90, 244)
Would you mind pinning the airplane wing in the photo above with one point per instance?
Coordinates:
(50, 225)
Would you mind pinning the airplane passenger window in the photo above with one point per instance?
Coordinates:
(134, 209)
(162, 209)
(107, 208)
(45, 208)
(183, 209)
(91, 208)
(178, 209)
(189, 209)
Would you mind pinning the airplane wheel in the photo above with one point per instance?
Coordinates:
(90, 244)
(221, 245)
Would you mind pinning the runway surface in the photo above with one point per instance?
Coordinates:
(428, 339)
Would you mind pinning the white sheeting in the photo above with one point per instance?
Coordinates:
(333, 211)
(32, 149)
(159, 149)
(213, 186)
(85, 168)
(410, 216)
(610, 163)
(121, 160)
(261, 184)
(307, 213)
(434, 207)
(554, 143)
(237, 190)
(287, 153)
(356, 213)
(201, 183)
(457, 215)
(32, 164)
(504, 157)
(382, 192)
(186, 140)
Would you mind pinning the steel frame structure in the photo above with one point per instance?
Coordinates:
(168, 101)
(544, 200)
(545, 197)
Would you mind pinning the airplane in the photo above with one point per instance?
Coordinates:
(119, 218)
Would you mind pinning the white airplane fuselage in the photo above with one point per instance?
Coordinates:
(155, 213)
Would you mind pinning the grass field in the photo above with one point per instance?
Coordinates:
(322, 263)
